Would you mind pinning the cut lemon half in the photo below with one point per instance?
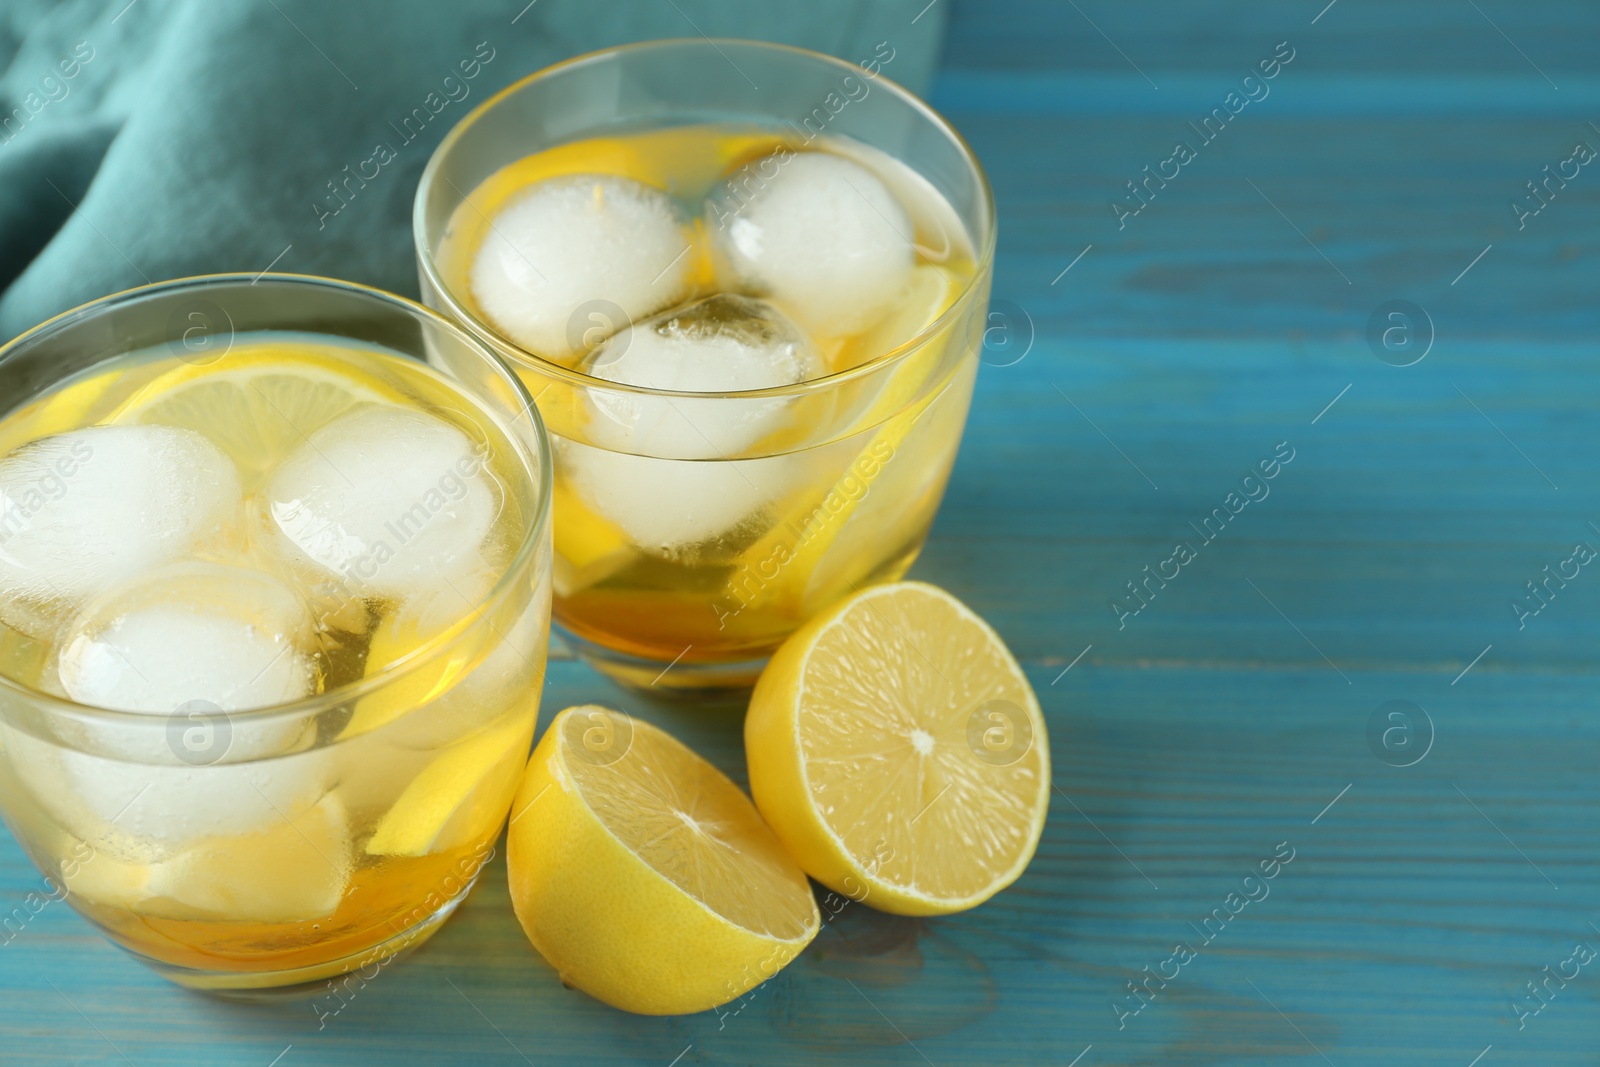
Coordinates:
(643, 875)
(258, 402)
(898, 752)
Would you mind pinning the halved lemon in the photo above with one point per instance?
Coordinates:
(258, 402)
(643, 875)
(898, 752)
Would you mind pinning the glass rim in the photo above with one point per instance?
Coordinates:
(413, 660)
(984, 249)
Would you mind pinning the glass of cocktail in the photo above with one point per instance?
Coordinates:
(746, 285)
(274, 600)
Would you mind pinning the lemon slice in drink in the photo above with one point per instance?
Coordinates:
(258, 402)
(588, 548)
(73, 406)
(455, 606)
(460, 796)
(293, 870)
(643, 875)
(929, 292)
(898, 752)
(799, 549)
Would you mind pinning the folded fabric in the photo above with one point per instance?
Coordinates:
(156, 139)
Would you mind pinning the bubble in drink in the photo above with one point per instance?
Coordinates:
(230, 637)
(824, 238)
(82, 511)
(390, 499)
(570, 240)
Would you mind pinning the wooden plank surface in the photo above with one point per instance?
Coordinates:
(1227, 721)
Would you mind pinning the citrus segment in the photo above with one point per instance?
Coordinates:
(643, 875)
(425, 617)
(917, 446)
(897, 750)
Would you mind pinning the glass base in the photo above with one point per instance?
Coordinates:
(303, 981)
(658, 678)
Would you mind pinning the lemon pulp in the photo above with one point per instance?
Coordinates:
(898, 751)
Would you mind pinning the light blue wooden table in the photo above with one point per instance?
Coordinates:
(1227, 722)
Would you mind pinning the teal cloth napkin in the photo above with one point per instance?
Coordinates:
(162, 138)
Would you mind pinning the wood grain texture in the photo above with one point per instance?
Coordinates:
(1225, 717)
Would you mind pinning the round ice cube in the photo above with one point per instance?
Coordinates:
(388, 498)
(188, 648)
(571, 240)
(664, 505)
(223, 638)
(662, 471)
(824, 237)
(83, 511)
(723, 344)
(143, 812)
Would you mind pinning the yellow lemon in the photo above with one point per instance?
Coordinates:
(258, 402)
(460, 796)
(814, 549)
(453, 606)
(898, 752)
(929, 293)
(643, 875)
(588, 548)
(293, 870)
(80, 402)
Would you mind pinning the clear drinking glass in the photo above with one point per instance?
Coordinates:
(843, 495)
(235, 850)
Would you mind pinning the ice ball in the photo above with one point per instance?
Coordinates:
(83, 511)
(722, 344)
(823, 237)
(567, 241)
(229, 638)
(390, 499)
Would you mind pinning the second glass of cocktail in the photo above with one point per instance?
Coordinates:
(746, 287)
(274, 589)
